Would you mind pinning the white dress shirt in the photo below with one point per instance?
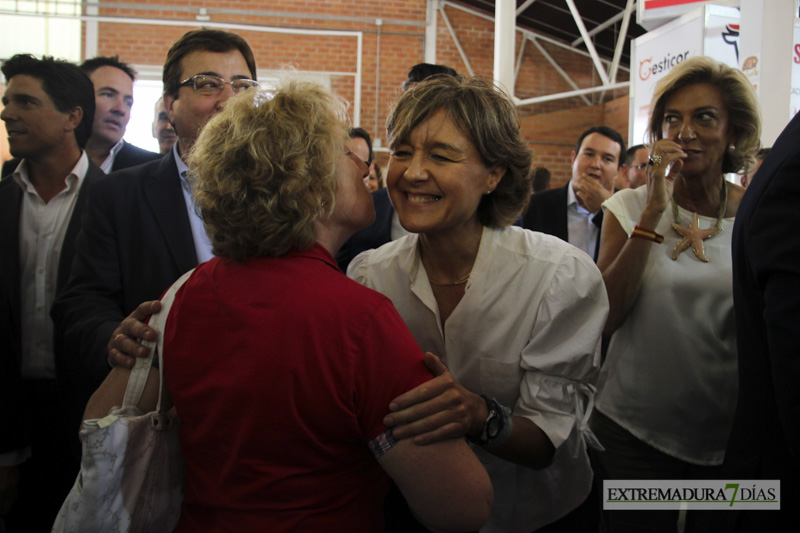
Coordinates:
(526, 332)
(582, 232)
(202, 244)
(112, 154)
(41, 236)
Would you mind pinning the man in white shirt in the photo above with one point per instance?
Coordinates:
(113, 90)
(141, 230)
(49, 106)
(572, 213)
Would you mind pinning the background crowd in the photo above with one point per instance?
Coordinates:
(496, 348)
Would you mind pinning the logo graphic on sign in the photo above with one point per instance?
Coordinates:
(648, 68)
(731, 37)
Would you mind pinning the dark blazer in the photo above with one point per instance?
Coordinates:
(130, 156)
(9, 167)
(11, 299)
(547, 213)
(374, 236)
(135, 242)
(765, 438)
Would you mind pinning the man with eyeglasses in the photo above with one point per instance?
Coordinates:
(635, 167)
(141, 229)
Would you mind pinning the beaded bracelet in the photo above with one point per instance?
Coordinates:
(650, 235)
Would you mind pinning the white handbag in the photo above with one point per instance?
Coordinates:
(131, 476)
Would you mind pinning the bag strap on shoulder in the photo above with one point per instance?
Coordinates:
(141, 370)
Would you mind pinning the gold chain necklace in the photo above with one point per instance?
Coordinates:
(694, 236)
(448, 284)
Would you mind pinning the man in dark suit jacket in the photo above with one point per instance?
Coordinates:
(131, 155)
(595, 163)
(48, 114)
(141, 231)
(765, 438)
(113, 89)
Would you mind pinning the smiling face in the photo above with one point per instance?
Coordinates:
(598, 158)
(188, 109)
(696, 118)
(35, 127)
(436, 177)
(113, 96)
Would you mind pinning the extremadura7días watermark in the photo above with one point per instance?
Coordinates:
(740, 494)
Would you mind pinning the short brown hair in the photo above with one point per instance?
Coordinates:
(202, 40)
(488, 117)
(264, 169)
(738, 96)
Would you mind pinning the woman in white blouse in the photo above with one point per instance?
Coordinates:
(667, 390)
(514, 315)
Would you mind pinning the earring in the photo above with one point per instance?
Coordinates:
(488, 192)
(731, 148)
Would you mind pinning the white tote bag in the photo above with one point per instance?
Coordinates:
(131, 477)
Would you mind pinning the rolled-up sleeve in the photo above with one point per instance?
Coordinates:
(562, 356)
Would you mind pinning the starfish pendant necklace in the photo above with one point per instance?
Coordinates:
(694, 236)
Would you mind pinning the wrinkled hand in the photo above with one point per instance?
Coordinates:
(659, 183)
(9, 481)
(437, 410)
(590, 193)
(124, 346)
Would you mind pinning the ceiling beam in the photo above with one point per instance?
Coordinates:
(524, 6)
(598, 65)
(597, 29)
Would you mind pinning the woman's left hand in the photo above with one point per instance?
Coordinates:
(437, 410)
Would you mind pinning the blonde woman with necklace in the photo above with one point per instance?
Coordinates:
(667, 390)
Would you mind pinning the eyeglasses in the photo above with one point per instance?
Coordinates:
(211, 85)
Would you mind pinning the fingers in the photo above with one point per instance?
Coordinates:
(448, 431)
(144, 310)
(430, 390)
(663, 156)
(434, 364)
(438, 426)
(675, 169)
(124, 345)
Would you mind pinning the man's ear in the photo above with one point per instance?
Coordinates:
(73, 119)
(169, 102)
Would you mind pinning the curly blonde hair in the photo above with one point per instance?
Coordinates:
(738, 96)
(486, 116)
(264, 169)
